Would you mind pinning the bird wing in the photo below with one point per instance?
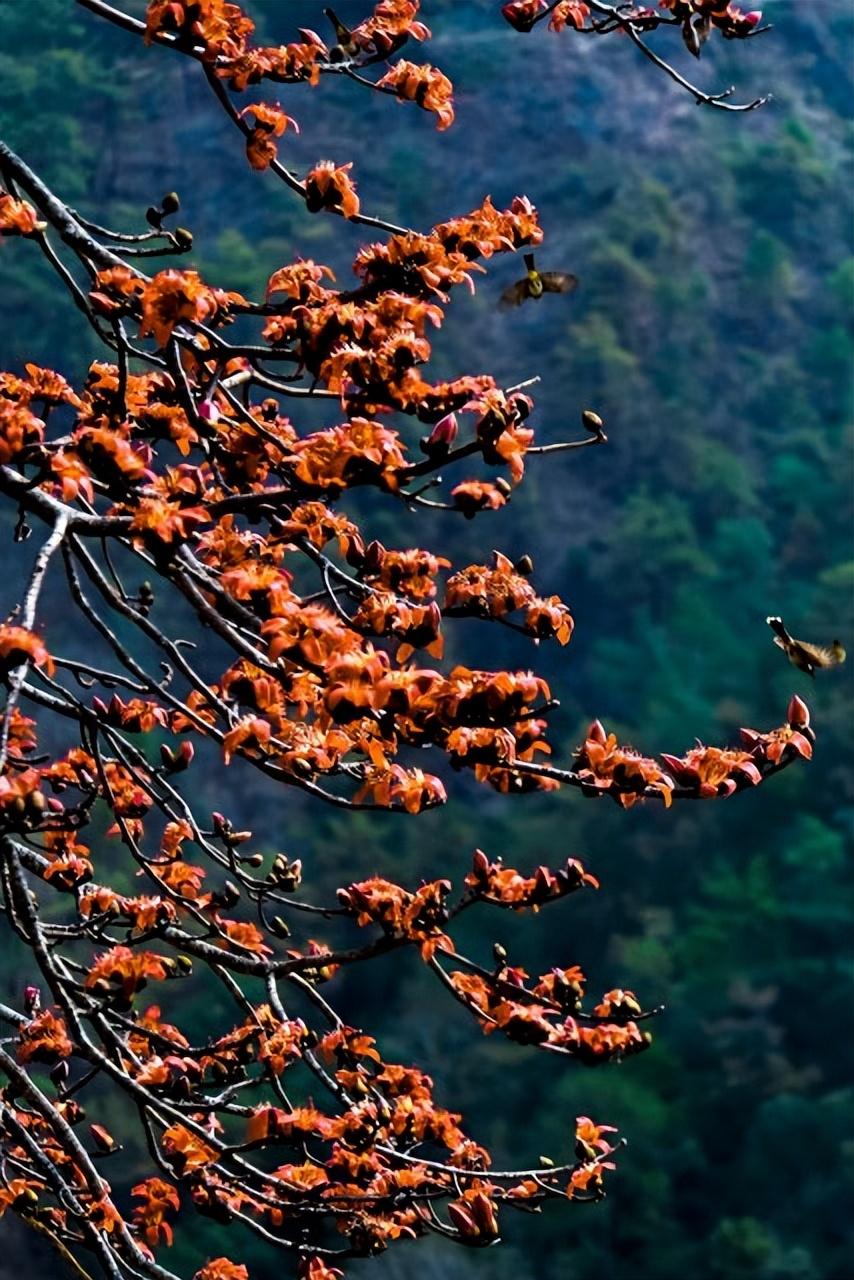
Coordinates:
(558, 281)
(514, 294)
(820, 655)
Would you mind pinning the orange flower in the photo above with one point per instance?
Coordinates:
(317, 1269)
(389, 27)
(604, 765)
(45, 1039)
(328, 187)
(186, 1152)
(591, 1134)
(222, 1269)
(292, 62)
(569, 13)
(523, 14)
(713, 771)
(121, 970)
(472, 496)
(774, 744)
(270, 122)
(222, 27)
(251, 735)
(172, 296)
(505, 885)
(474, 1216)
(426, 85)
(18, 645)
(246, 936)
(586, 1182)
(159, 1198)
(300, 281)
(19, 428)
(17, 218)
(164, 521)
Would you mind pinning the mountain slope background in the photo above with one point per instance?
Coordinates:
(712, 331)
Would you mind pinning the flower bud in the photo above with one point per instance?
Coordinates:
(521, 16)
(208, 411)
(374, 553)
(227, 896)
(104, 1141)
(444, 433)
(597, 733)
(798, 713)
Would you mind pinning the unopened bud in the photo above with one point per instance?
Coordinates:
(591, 422)
(227, 896)
(442, 436)
(374, 553)
(208, 411)
(104, 1141)
(798, 713)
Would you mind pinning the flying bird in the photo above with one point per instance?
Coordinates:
(806, 657)
(535, 283)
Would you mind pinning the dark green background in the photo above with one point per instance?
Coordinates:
(712, 330)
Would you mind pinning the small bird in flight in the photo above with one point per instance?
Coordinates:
(535, 283)
(806, 657)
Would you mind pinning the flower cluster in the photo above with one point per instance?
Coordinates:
(208, 497)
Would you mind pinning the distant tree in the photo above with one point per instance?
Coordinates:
(229, 596)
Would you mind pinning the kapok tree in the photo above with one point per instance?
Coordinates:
(173, 495)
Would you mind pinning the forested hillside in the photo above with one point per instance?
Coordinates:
(712, 330)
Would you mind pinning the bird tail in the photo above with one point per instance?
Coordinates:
(528, 259)
(341, 31)
(776, 625)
